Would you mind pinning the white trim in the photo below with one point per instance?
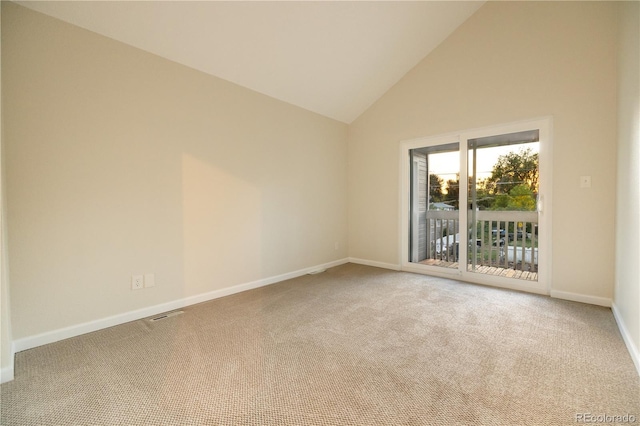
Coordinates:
(6, 374)
(633, 349)
(545, 246)
(583, 298)
(88, 327)
(374, 263)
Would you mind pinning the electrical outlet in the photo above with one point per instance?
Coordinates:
(149, 280)
(137, 282)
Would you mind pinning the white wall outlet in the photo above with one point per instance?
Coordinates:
(137, 282)
(149, 280)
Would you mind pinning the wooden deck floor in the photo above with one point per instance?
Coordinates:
(487, 270)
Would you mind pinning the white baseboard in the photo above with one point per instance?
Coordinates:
(584, 298)
(391, 266)
(88, 327)
(6, 374)
(633, 349)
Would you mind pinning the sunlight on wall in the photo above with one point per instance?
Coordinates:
(222, 227)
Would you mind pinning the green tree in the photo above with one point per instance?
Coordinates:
(435, 188)
(453, 191)
(512, 170)
(521, 198)
(484, 199)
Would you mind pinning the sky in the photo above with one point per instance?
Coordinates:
(447, 164)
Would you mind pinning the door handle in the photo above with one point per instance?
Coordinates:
(539, 203)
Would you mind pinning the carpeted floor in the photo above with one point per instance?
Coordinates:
(352, 346)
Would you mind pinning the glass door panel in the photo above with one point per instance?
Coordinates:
(503, 221)
(435, 206)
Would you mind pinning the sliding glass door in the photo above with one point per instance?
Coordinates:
(472, 205)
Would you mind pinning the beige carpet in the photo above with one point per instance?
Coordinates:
(352, 346)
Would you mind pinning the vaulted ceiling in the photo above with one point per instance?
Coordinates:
(332, 57)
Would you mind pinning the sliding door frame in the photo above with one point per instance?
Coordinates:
(543, 285)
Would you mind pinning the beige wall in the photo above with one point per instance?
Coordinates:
(6, 351)
(6, 354)
(627, 292)
(121, 162)
(510, 61)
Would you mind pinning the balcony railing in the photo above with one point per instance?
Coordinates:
(497, 239)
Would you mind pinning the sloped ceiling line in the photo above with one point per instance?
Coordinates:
(334, 58)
